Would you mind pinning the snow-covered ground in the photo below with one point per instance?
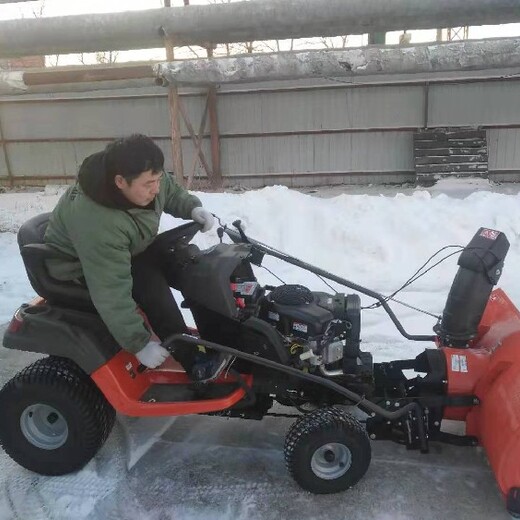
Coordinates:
(236, 470)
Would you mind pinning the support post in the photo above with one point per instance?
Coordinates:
(426, 108)
(173, 103)
(216, 178)
(6, 155)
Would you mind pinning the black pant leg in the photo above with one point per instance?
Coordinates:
(152, 293)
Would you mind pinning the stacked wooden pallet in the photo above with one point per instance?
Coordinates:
(450, 152)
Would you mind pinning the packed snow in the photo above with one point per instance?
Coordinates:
(376, 240)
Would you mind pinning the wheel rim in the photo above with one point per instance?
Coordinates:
(44, 427)
(331, 461)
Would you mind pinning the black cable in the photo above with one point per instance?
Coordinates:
(418, 274)
(413, 277)
(269, 270)
(327, 283)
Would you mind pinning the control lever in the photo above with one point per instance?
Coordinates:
(238, 225)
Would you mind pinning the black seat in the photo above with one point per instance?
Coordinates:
(34, 253)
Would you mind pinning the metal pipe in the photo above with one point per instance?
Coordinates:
(242, 21)
(345, 63)
(358, 400)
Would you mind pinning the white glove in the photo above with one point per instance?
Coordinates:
(204, 217)
(152, 355)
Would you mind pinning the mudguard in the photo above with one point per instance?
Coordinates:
(76, 335)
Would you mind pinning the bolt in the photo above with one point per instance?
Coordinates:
(373, 414)
(329, 456)
(388, 403)
(397, 405)
(52, 418)
(436, 423)
(373, 436)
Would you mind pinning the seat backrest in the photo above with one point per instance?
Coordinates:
(33, 231)
(35, 253)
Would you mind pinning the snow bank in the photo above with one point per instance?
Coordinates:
(377, 241)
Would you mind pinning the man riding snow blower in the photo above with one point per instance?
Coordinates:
(105, 225)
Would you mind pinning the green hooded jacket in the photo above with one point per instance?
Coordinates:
(101, 230)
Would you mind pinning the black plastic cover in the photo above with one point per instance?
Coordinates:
(304, 320)
(80, 336)
(481, 265)
(207, 280)
(485, 254)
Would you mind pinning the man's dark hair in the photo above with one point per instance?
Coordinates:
(131, 156)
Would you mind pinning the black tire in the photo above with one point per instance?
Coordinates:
(53, 393)
(327, 451)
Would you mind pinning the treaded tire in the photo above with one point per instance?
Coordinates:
(58, 383)
(320, 428)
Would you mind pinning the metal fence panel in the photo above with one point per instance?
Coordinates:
(49, 159)
(504, 149)
(321, 109)
(78, 119)
(475, 104)
(346, 152)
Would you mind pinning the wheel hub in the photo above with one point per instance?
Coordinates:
(44, 427)
(331, 461)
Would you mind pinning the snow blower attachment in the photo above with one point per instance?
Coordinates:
(292, 345)
(480, 336)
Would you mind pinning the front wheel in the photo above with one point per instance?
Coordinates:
(54, 418)
(327, 451)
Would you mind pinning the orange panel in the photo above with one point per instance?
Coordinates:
(123, 386)
(496, 421)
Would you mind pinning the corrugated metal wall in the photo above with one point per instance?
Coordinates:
(293, 134)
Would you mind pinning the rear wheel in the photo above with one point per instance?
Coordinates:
(54, 418)
(327, 451)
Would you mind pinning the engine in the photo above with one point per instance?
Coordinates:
(321, 330)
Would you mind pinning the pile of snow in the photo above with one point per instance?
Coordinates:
(376, 241)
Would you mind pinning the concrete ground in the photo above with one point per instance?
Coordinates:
(199, 467)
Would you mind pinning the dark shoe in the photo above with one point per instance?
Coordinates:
(209, 368)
